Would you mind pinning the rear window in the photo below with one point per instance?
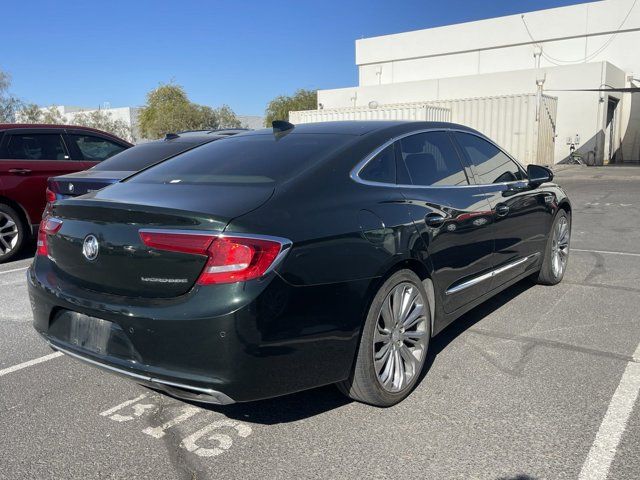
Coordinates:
(245, 159)
(141, 156)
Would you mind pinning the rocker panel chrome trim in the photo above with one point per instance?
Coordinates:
(491, 274)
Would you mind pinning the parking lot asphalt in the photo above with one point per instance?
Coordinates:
(537, 383)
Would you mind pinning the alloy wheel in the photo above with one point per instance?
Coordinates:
(560, 247)
(401, 337)
(8, 234)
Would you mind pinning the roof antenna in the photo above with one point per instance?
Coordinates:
(281, 126)
(171, 136)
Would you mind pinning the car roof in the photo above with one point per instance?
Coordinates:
(362, 127)
(18, 126)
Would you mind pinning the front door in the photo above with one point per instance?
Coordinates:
(451, 215)
(521, 215)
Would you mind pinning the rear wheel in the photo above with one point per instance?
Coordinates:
(394, 343)
(556, 255)
(12, 232)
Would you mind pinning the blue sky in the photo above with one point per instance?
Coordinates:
(242, 53)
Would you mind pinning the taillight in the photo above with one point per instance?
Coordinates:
(238, 259)
(177, 242)
(230, 258)
(51, 196)
(48, 226)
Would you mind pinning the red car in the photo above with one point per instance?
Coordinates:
(29, 155)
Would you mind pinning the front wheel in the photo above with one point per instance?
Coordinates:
(556, 255)
(394, 343)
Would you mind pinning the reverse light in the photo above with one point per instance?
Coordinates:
(48, 226)
(230, 258)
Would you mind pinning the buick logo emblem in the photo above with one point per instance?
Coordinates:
(71, 187)
(90, 247)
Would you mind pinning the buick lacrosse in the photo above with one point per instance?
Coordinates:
(285, 259)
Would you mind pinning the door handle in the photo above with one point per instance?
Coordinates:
(19, 171)
(502, 210)
(434, 220)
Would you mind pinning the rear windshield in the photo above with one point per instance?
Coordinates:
(262, 158)
(141, 156)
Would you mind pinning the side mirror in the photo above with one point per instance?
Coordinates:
(537, 175)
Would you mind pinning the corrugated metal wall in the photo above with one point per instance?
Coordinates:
(547, 130)
(508, 120)
(400, 111)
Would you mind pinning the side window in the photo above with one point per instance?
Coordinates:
(95, 149)
(431, 159)
(492, 164)
(381, 168)
(36, 146)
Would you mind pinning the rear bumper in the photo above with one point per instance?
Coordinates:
(216, 344)
(180, 390)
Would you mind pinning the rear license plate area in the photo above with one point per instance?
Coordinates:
(92, 334)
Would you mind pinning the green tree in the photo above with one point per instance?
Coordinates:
(279, 107)
(30, 113)
(227, 118)
(9, 104)
(103, 121)
(98, 119)
(168, 109)
(53, 116)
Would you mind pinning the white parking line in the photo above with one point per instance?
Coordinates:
(14, 270)
(106, 413)
(603, 450)
(606, 252)
(30, 363)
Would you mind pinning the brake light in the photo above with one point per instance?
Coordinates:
(237, 259)
(51, 196)
(48, 226)
(230, 258)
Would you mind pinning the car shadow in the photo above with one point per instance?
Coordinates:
(469, 319)
(302, 405)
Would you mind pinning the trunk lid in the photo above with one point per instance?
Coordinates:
(81, 183)
(124, 265)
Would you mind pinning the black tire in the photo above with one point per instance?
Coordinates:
(547, 275)
(363, 384)
(9, 247)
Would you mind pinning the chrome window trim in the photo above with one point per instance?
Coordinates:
(355, 171)
(491, 274)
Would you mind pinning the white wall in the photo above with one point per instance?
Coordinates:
(128, 115)
(565, 34)
(579, 113)
(585, 46)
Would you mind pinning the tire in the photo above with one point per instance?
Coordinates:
(12, 232)
(405, 348)
(557, 250)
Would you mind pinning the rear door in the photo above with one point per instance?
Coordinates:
(451, 214)
(92, 148)
(521, 215)
(28, 157)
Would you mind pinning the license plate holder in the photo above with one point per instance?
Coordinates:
(90, 333)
